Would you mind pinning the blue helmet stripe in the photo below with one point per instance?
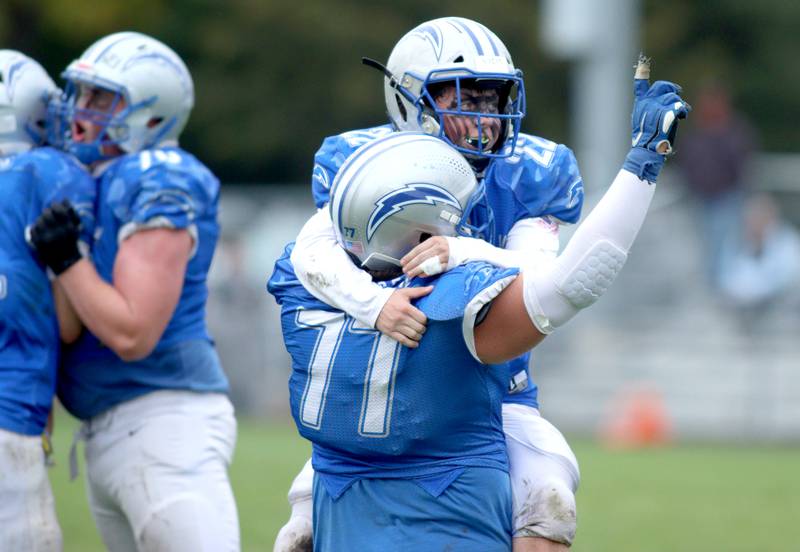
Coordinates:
(355, 157)
(10, 77)
(421, 193)
(431, 34)
(122, 38)
(467, 30)
(490, 39)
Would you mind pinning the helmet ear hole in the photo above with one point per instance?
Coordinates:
(459, 59)
(401, 107)
(154, 122)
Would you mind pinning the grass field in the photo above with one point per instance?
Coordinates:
(681, 498)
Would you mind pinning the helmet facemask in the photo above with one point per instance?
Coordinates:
(476, 115)
(113, 122)
(152, 91)
(465, 55)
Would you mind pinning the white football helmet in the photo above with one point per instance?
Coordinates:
(25, 89)
(151, 78)
(396, 191)
(456, 51)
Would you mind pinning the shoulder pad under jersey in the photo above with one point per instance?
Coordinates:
(332, 154)
(455, 289)
(168, 184)
(544, 178)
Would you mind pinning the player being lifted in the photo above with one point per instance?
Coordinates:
(400, 462)
(31, 177)
(454, 79)
(145, 378)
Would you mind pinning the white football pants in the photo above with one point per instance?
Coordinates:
(27, 511)
(544, 476)
(157, 473)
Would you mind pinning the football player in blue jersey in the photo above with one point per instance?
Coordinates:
(454, 79)
(408, 443)
(145, 378)
(31, 178)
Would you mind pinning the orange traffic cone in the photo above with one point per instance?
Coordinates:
(638, 418)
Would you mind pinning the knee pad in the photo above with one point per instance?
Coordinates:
(546, 509)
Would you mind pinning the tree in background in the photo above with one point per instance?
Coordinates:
(273, 78)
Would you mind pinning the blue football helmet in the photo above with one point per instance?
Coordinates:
(457, 52)
(150, 78)
(394, 192)
(25, 90)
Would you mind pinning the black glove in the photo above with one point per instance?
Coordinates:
(55, 236)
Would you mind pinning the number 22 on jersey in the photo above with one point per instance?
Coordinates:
(333, 328)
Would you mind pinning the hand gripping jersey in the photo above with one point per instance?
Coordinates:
(29, 339)
(162, 188)
(540, 179)
(375, 409)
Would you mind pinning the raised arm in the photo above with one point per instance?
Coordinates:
(539, 301)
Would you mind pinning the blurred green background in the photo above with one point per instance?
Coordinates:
(273, 77)
(676, 499)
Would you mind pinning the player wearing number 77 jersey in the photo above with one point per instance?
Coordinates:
(454, 79)
(408, 445)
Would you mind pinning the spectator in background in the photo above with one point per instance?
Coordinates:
(760, 263)
(714, 155)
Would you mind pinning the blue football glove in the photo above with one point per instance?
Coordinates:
(656, 111)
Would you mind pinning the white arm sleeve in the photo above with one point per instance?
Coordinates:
(592, 258)
(327, 272)
(530, 242)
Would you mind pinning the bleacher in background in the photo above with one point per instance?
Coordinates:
(719, 373)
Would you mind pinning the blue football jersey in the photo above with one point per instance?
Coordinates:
(540, 179)
(29, 339)
(373, 408)
(162, 188)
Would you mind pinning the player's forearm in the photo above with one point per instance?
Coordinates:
(544, 298)
(464, 250)
(326, 271)
(69, 325)
(531, 242)
(593, 257)
(107, 313)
